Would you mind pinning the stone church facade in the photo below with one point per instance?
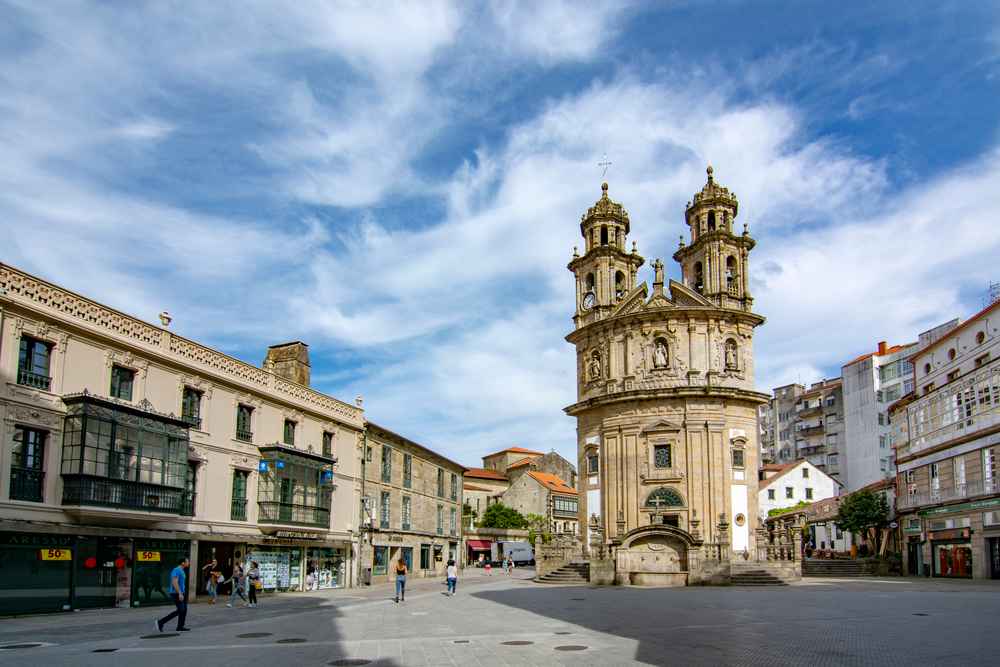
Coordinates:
(665, 396)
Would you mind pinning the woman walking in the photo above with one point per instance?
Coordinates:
(212, 580)
(452, 577)
(237, 582)
(400, 580)
(254, 582)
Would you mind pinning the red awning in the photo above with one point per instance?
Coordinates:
(479, 545)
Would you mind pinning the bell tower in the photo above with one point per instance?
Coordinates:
(606, 271)
(716, 263)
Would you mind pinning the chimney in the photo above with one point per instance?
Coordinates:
(881, 347)
(289, 361)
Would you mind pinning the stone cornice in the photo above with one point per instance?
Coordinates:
(51, 302)
(687, 392)
(628, 320)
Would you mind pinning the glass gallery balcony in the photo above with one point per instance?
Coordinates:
(123, 456)
(295, 487)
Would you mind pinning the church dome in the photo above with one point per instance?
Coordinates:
(605, 209)
(713, 195)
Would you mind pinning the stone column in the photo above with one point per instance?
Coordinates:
(724, 544)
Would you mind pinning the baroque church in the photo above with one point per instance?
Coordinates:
(666, 408)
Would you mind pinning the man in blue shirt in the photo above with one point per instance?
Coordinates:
(177, 589)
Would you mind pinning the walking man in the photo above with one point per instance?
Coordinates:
(237, 580)
(177, 589)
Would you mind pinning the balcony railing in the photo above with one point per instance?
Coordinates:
(187, 504)
(193, 420)
(29, 379)
(301, 515)
(957, 492)
(238, 509)
(26, 484)
(120, 493)
(245, 436)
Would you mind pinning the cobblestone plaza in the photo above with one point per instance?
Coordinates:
(502, 621)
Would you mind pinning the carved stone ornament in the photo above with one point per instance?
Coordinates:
(33, 417)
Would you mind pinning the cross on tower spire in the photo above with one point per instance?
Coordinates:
(605, 164)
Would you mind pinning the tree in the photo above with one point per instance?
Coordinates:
(501, 516)
(538, 526)
(865, 513)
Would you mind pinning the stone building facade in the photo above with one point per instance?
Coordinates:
(411, 507)
(546, 495)
(946, 437)
(666, 400)
(126, 446)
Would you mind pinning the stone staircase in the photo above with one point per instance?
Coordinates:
(836, 568)
(759, 574)
(573, 573)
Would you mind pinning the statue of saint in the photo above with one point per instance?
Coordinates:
(658, 269)
(595, 367)
(659, 354)
(730, 354)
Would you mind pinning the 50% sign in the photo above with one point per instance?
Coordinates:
(56, 554)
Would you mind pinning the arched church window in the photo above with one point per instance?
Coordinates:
(604, 235)
(732, 362)
(711, 221)
(664, 497)
(731, 274)
(619, 284)
(699, 277)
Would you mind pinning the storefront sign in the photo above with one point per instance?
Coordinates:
(297, 535)
(395, 538)
(956, 534)
(147, 556)
(979, 504)
(56, 554)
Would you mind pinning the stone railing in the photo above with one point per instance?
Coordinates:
(561, 551)
(779, 545)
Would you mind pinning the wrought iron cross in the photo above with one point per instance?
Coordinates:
(605, 164)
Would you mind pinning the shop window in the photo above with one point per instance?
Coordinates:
(661, 456)
(380, 560)
(122, 382)
(191, 407)
(27, 474)
(33, 363)
(407, 471)
(953, 560)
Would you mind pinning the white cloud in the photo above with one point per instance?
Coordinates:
(557, 30)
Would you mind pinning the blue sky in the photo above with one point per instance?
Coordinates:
(401, 187)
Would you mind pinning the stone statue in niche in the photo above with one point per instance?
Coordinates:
(595, 366)
(660, 359)
(657, 272)
(731, 355)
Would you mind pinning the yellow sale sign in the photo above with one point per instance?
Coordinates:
(148, 556)
(57, 554)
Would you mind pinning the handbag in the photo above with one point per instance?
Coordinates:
(258, 585)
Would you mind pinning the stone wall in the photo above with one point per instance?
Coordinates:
(557, 553)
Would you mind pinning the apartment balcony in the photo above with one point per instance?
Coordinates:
(959, 409)
(958, 492)
(187, 503)
(808, 412)
(26, 484)
(564, 514)
(34, 380)
(86, 490)
(238, 509)
(275, 512)
(244, 435)
(807, 430)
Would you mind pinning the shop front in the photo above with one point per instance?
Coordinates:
(951, 553)
(45, 572)
(280, 566)
(478, 551)
(326, 567)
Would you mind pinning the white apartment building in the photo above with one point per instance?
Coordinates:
(789, 484)
(871, 383)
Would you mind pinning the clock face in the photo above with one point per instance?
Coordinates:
(589, 300)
